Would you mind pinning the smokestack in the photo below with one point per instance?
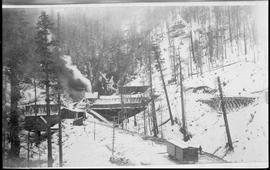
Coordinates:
(76, 73)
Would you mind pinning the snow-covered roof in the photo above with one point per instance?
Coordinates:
(40, 103)
(124, 96)
(90, 95)
(181, 144)
(73, 109)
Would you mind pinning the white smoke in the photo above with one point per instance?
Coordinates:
(76, 73)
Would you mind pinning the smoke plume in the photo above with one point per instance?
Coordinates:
(76, 73)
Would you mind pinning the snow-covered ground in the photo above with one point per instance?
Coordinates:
(90, 145)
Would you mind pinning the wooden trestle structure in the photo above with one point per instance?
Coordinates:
(134, 100)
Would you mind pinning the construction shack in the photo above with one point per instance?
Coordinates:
(72, 113)
(182, 152)
(133, 89)
(35, 115)
(41, 108)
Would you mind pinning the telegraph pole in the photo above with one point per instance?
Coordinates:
(163, 82)
(59, 103)
(113, 137)
(153, 109)
(122, 112)
(28, 149)
(225, 116)
(182, 102)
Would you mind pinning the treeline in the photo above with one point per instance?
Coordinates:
(212, 35)
(29, 57)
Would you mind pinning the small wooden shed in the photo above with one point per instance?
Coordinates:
(72, 113)
(182, 152)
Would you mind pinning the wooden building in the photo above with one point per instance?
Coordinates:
(39, 121)
(29, 109)
(133, 89)
(182, 152)
(69, 113)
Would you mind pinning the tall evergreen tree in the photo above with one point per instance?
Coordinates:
(44, 46)
(14, 58)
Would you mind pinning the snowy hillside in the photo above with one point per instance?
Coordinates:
(248, 125)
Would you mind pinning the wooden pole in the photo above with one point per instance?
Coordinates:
(39, 156)
(60, 132)
(49, 142)
(153, 109)
(113, 138)
(28, 149)
(190, 60)
(94, 129)
(225, 116)
(164, 86)
(59, 104)
(161, 132)
(144, 127)
(182, 103)
(122, 101)
(149, 123)
(35, 87)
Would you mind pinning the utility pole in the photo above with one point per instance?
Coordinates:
(59, 103)
(60, 132)
(94, 129)
(153, 109)
(182, 102)
(35, 87)
(144, 127)
(113, 137)
(163, 82)
(122, 102)
(49, 142)
(28, 149)
(225, 116)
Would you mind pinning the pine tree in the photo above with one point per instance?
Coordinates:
(15, 52)
(44, 25)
